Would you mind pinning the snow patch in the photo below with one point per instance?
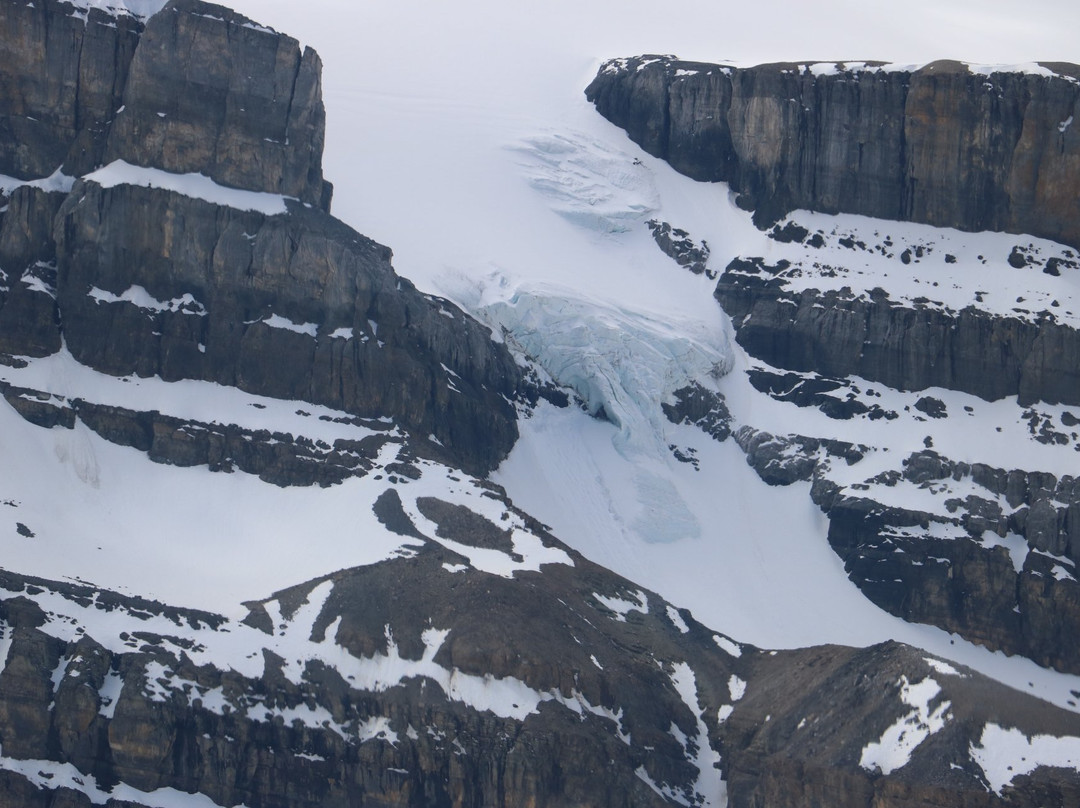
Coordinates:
(623, 606)
(138, 296)
(729, 646)
(893, 751)
(57, 181)
(1005, 754)
(677, 620)
(196, 186)
(284, 323)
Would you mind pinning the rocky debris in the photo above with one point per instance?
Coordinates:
(700, 407)
(62, 78)
(676, 243)
(838, 398)
(399, 683)
(933, 407)
(785, 459)
(276, 457)
(909, 347)
(970, 587)
(422, 680)
(211, 92)
(943, 145)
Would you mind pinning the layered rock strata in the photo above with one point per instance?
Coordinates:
(946, 144)
(203, 249)
(905, 346)
(347, 690)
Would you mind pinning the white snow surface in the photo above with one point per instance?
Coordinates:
(893, 751)
(197, 186)
(57, 181)
(136, 8)
(1006, 753)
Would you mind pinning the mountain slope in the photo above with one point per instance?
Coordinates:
(356, 614)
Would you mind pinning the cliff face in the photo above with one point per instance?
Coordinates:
(423, 681)
(62, 79)
(941, 145)
(250, 116)
(909, 347)
(199, 284)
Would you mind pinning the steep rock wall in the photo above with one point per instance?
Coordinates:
(295, 306)
(941, 145)
(212, 92)
(146, 281)
(62, 78)
(906, 347)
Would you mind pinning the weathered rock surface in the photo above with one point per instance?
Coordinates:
(906, 347)
(29, 318)
(676, 243)
(294, 306)
(62, 78)
(211, 92)
(997, 567)
(417, 684)
(800, 735)
(421, 681)
(943, 145)
(138, 280)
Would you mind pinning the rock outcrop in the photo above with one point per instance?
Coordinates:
(294, 306)
(62, 77)
(945, 144)
(250, 116)
(909, 347)
(423, 681)
(141, 275)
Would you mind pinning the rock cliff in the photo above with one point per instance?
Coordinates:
(245, 280)
(907, 345)
(945, 144)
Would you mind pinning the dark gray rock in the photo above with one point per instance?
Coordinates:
(676, 243)
(223, 279)
(29, 319)
(700, 407)
(836, 333)
(940, 145)
(62, 76)
(212, 92)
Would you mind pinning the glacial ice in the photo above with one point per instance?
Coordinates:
(622, 364)
(587, 182)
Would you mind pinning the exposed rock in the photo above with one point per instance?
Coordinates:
(835, 397)
(135, 280)
(458, 687)
(676, 243)
(62, 77)
(782, 460)
(799, 736)
(906, 347)
(295, 306)
(702, 408)
(212, 92)
(942, 145)
(29, 319)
